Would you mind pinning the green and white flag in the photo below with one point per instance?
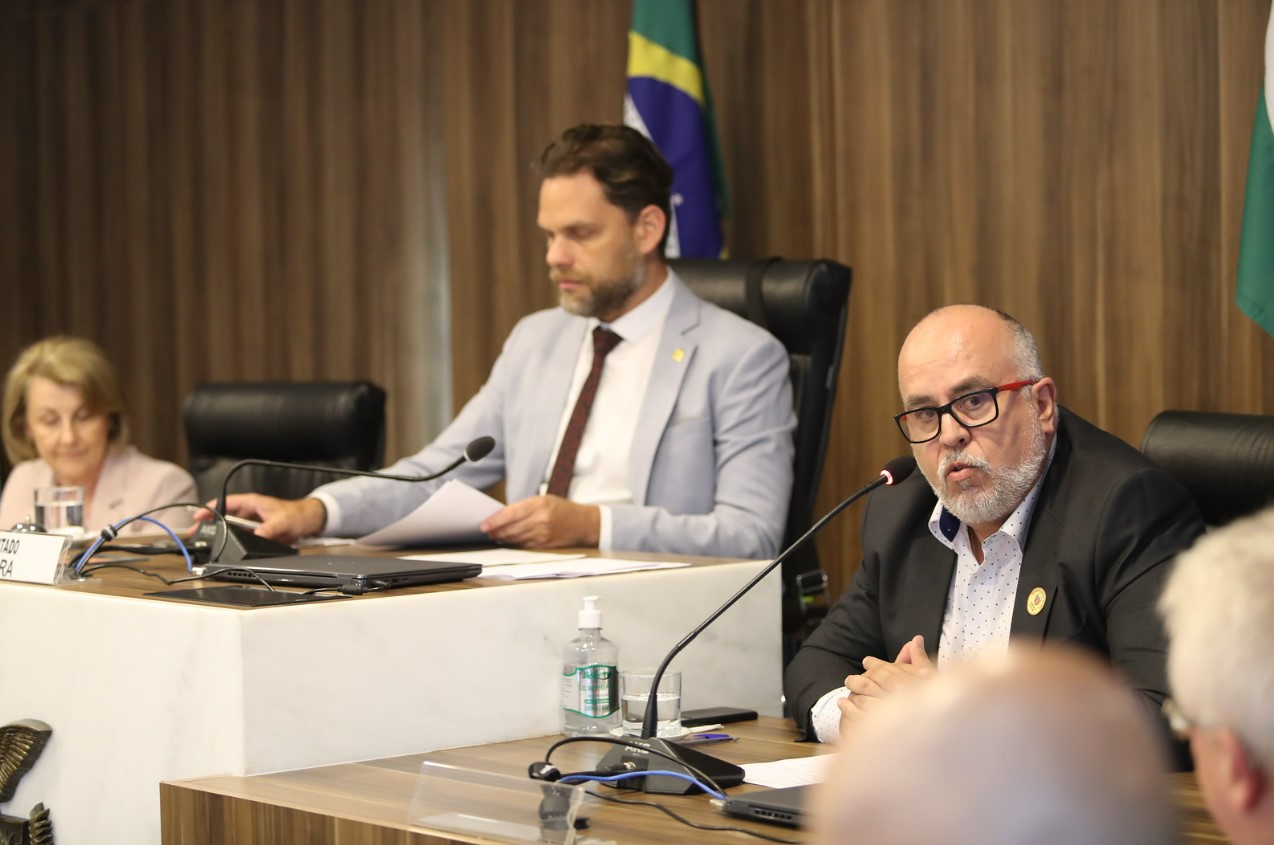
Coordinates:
(1255, 294)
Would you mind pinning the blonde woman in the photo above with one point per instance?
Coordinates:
(65, 424)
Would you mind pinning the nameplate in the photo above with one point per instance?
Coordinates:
(34, 558)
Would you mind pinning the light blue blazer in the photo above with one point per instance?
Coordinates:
(711, 461)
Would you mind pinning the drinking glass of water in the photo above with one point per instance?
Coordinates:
(60, 510)
(634, 686)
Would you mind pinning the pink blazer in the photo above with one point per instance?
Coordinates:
(130, 484)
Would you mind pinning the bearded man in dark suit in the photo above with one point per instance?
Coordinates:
(1026, 522)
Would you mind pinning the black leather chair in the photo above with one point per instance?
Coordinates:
(338, 424)
(805, 305)
(1226, 461)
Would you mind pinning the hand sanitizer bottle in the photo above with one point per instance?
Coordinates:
(590, 678)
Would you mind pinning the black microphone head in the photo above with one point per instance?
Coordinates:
(898, 469)
(479, 448)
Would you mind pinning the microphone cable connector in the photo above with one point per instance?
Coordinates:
(543, 770)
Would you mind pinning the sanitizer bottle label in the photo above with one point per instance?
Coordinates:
(591, 691)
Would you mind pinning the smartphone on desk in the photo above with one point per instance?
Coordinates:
(716, 716)
(247, 524)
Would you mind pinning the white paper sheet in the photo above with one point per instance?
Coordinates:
(450, 516)
(496, 557)
(575, 568)
(795, 771)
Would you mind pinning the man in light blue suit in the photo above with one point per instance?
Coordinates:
(688, 445)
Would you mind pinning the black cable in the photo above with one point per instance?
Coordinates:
(88, 570)
(195, 505)
(628, 743)
(169, 582)
(111, 532)
(225, 536)
(140, 549)
(314, 591)
(229, 567)
(696, 825)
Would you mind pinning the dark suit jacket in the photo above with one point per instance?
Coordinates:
(1105, 527)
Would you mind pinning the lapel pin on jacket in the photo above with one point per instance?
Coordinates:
(1035, 601)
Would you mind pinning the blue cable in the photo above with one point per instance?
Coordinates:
(112, 531)
(88, 553)
(626, 775)
(190, 564)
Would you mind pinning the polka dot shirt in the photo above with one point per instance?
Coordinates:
(979, 610)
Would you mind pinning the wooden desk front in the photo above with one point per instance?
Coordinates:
(140, 690)
(369, 803)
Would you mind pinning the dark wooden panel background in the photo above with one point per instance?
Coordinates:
(342, 188)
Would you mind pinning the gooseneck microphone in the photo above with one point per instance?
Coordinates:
(895, 471)
(242, 544)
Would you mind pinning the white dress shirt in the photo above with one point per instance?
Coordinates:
(601, 474)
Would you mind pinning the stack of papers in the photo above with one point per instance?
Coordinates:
(795, 771)
(451, 516)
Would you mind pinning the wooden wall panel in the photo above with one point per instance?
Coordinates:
(1079, 164)
(517, 75)
(249, 189)
(231, 190)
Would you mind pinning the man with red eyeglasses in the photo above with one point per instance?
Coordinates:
(1025, 522)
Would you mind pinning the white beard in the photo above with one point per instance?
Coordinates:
(1007, 488)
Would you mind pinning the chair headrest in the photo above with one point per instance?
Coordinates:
(803, 301)
(1226, 461)
(304, 421)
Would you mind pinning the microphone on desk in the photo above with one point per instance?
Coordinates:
(624, 758)
(241, 544)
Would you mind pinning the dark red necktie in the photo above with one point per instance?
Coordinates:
(604, 340)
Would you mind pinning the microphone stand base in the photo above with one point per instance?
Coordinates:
(634, 758)
(240, 543)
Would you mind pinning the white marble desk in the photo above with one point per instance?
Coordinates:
(141, 690)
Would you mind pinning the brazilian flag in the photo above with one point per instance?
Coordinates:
(668, 102)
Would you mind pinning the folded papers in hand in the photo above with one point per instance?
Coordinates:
(450, 517)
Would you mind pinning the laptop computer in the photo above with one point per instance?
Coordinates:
(785, 806)
(348, 574)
